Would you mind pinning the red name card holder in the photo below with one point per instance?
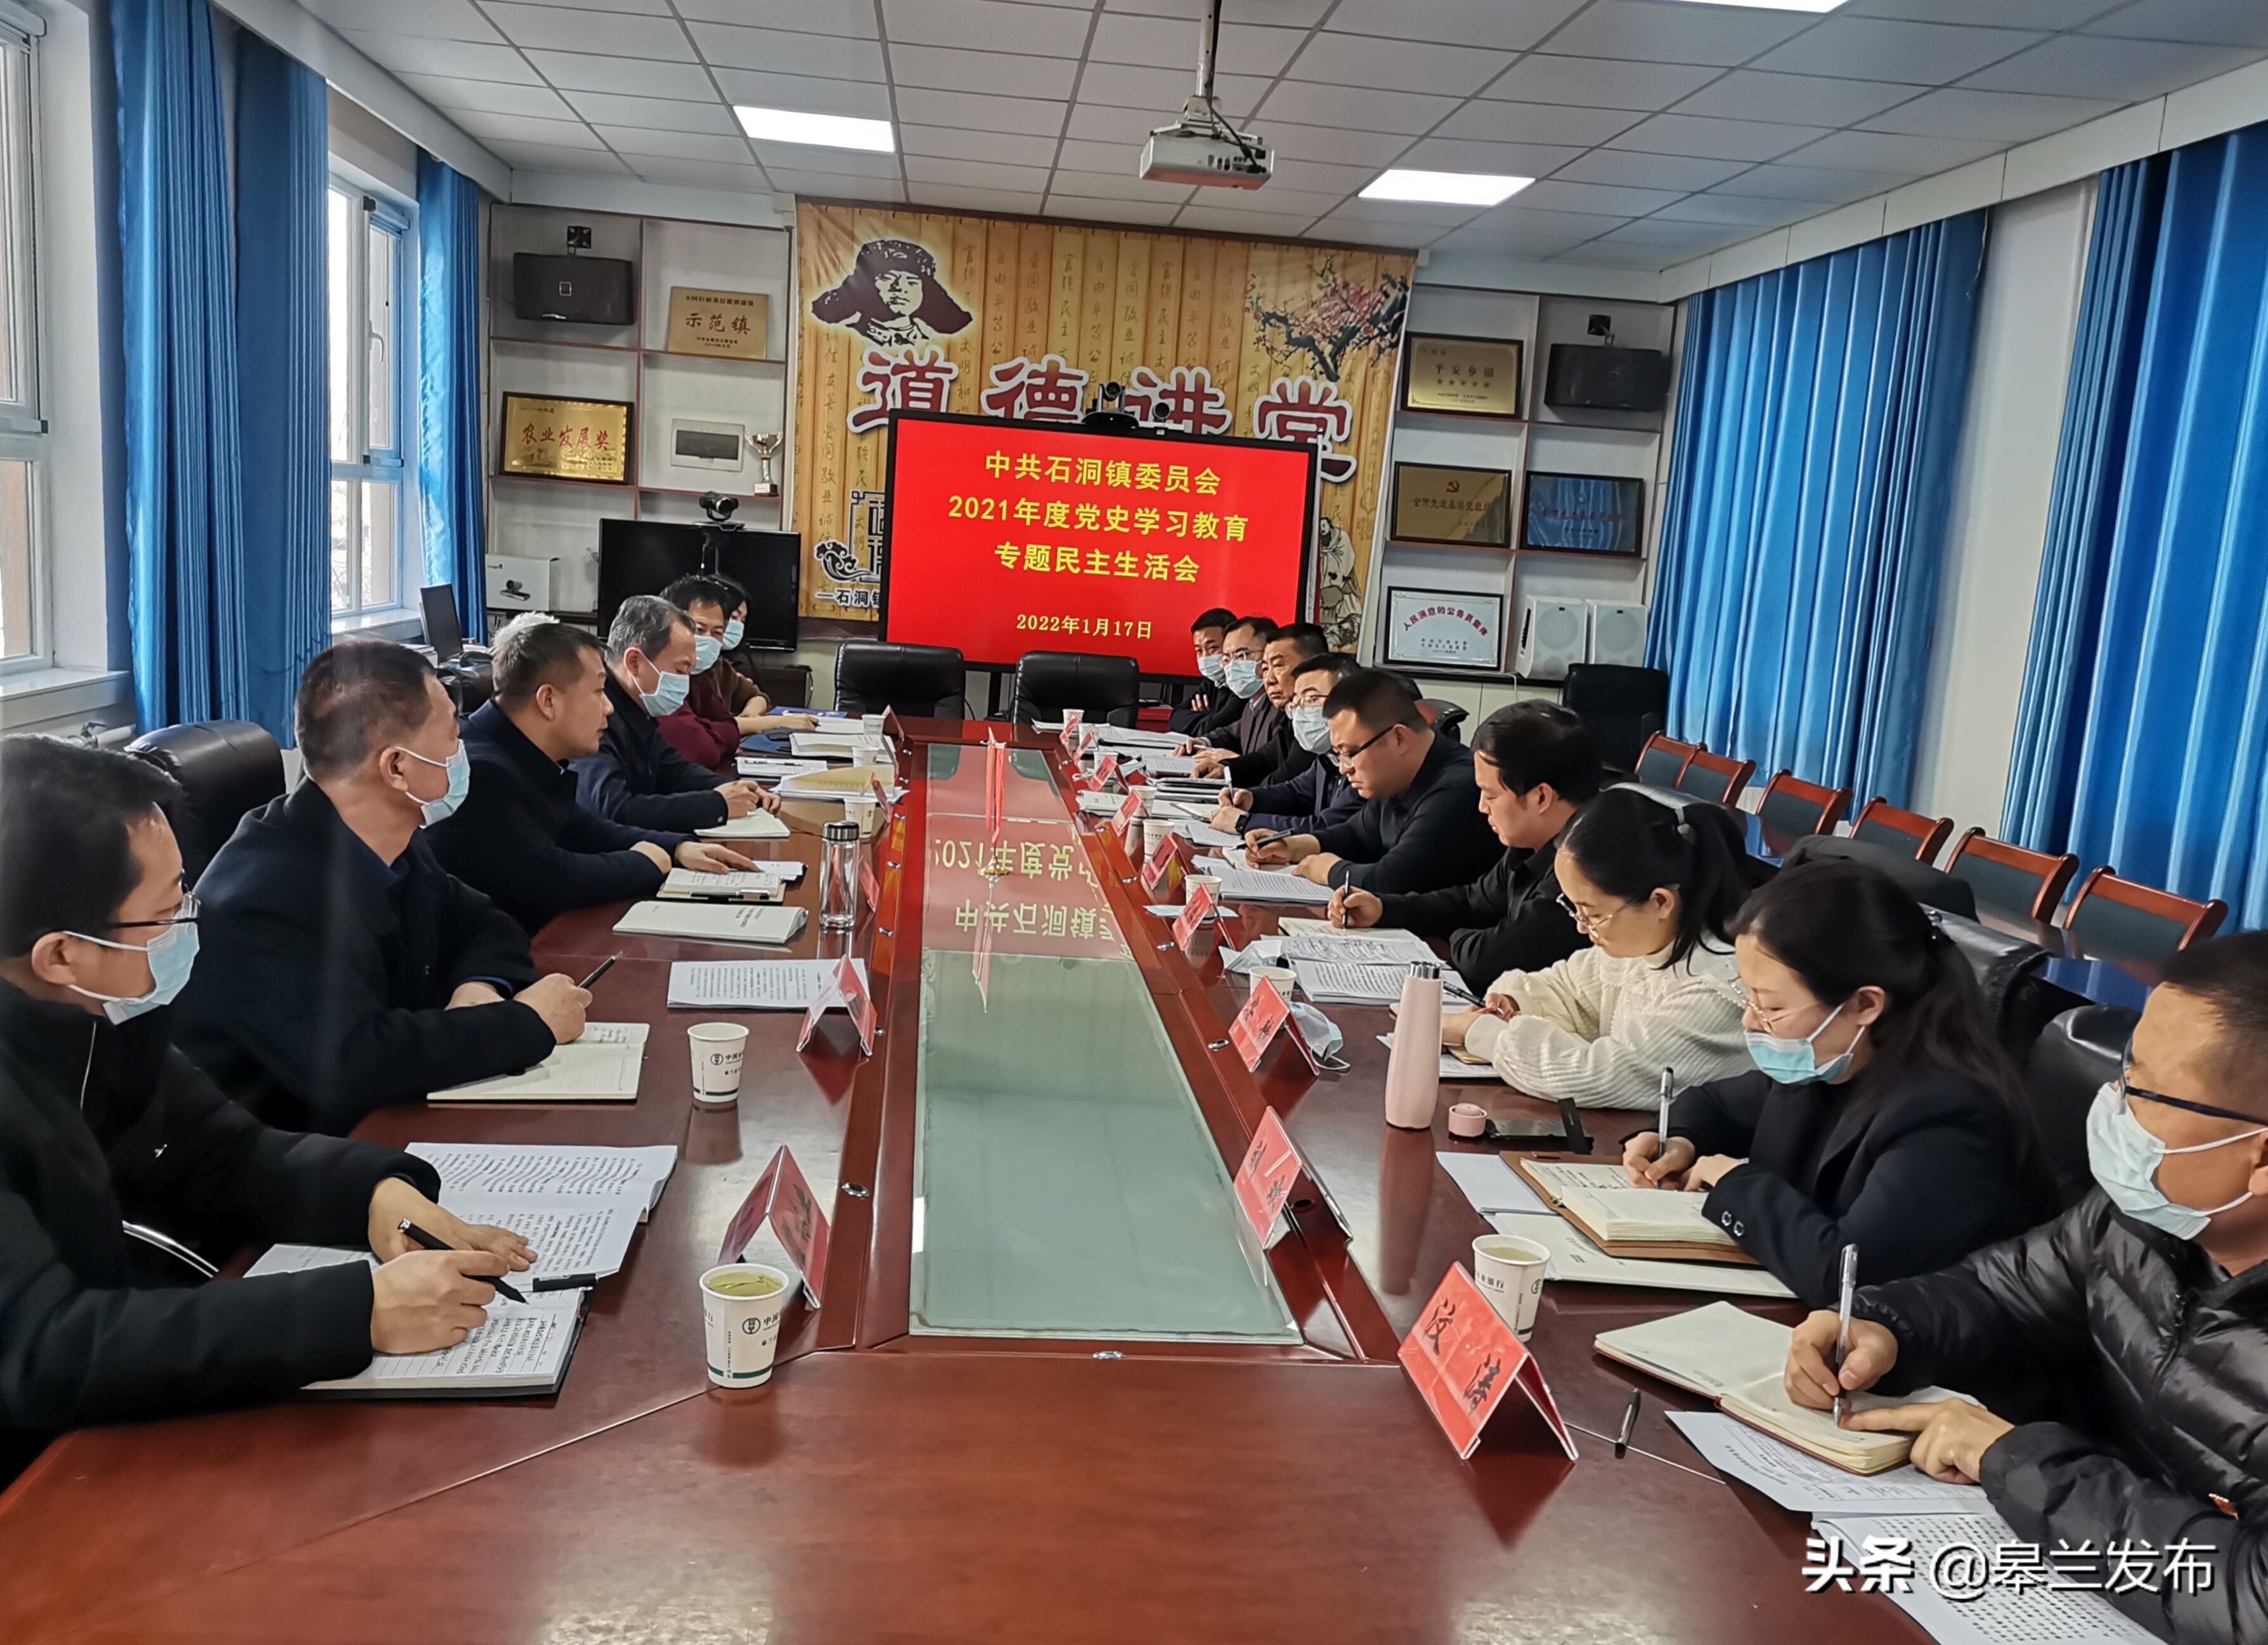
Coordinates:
(1261, 1021)
(782, 1198)
(1124, 819)
(843, 988)
(1464, 1360)
(1161, 875)
(1069, 736)
(1265, 1181)
(1106, 771)
(1197, 928)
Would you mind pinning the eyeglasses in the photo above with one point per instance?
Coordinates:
(186, 916)
(1769, 1019)
(1584, 923)
(1350, 756)
(2130, 1091)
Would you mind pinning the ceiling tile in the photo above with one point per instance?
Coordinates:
(2212, 22)
(926, 168)
(1516, 220)
(973, 113)
(557, 28)
(1281, 201)
(827, 56)
(684, 145)
(1747, 94)
(852, 18)
(1535, 243)
(1352, 144)
(809, 157)
(2123, 70)
(1628, 170)
(860, 97)
(1103, 123)
(1234, 220)
(1388, 222)
(1672, 234)
(992, 26)
(1126, 186)
(557, 134)
(1875, 48)
(1320, 176)
(1815, 185)
(1715, 139)
(535, 157)
(1596, 83)
(655, 113)
(2049, 14)
(1742, 210)
(638, 77)
(1287, 13)
(407, 53)
(1608, 254)
(1554, 195)
(640, 8)
(1008, 148)
(1358, 108)
(702, 173)
(835, 186)
(954, 198)
(1987, 116)
(1504, 24)
(1645, 31)
(1536, 123)
(488, 97)
(1163, 43)
(1501, 159)
(1891, 151)
(438, 19)
(1088, 154)
(1146, 213)
(1160, 92)
(1402, 65)
(947, 69)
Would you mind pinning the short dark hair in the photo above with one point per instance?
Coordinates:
(66, 859)
(356, 698)
(1338, 663)
(644, 621)
(689, 591)
(1217, 618)
(1532, 743)
(1378, 699)
(536, 651)
(735, 592)
(1305, 639)
(1264, 627)
(2230, 974)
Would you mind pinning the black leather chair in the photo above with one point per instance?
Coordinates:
(1927, 886)
(1444, 716)
(2019, 1002)
(1102, 688)
(1623, 706)
(2070, 1061)
(928, 681)
(225, 767)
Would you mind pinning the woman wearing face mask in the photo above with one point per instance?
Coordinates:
(1655, 889)
(1880, 1112)
(721, 705)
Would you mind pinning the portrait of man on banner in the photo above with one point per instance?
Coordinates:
(893, 296)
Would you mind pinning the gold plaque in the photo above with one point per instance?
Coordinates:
(735, 324)
(566, 440)
(1465, 508)
(1444, 376)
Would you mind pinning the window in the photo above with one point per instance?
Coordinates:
(23, 429)
(368, 269)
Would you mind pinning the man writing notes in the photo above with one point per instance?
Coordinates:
(522, 838)
(636, 777)
(1534, 763)
(345, 969)
(2139, 1318)
(1420, 826)
(1264, 735)
(114, 1148)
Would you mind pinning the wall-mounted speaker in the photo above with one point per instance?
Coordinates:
(1553, 633)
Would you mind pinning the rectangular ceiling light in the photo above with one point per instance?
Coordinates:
(826, 131)
(1773, 6)
(1464, 188)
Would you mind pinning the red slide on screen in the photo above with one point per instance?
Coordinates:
(1006, 537)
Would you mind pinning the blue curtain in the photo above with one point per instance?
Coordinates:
(1818, 416)
(283, 173)
(185, 586)
(449, 402)
(2142, 735)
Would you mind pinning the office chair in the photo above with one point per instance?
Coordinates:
(928, 681)
(2113, 919)
(226, 768)
(1102, 688)
(2071, 1060)
(1622, 707)
(2026, 883)
(1883, 823)
(1932, 887)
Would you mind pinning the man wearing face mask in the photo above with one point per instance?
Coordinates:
(1307, 792)
(1252, 717)
(636, 777)
(345, 969)
(1262, 737)
(2139, 1318)
(1209, 707)
(119, 1159)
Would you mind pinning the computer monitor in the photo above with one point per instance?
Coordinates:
(643, 556)
(442, 630)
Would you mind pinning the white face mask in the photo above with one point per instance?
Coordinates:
(734, 632)
(1243, 677)
(2126, 1157)
(668, 693)
(1311, 728)
(1213, 666)
(171, 953)
(706, 649)
(459, 768)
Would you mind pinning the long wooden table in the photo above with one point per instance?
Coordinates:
(887, 1486)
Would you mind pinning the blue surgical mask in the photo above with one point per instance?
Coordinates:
(668, 693)
(2125, 1158)
(1213, 666)
(459, 767)
(734, 631)
(171, 952)
(706, 650)
(1311, 729)
(1793, 1061)
(1243, 676)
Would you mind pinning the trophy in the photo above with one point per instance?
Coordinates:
(765, 445)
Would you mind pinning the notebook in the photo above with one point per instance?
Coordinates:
(1663, 1225)
(602, 1066)
(712, 922)
(1726, 1354)
(754, 825)
(694, 885)
(849, 782)
(1577, 1261)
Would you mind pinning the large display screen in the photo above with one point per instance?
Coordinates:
(1003, 537)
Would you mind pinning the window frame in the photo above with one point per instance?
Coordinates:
(25, 432)
(376, 210)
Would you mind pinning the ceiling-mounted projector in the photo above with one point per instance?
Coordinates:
(1202, 148)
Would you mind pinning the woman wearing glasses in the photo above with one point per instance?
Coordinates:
(1656, 890)
(1879, 1114)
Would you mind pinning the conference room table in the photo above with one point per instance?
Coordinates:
(1052, 1392)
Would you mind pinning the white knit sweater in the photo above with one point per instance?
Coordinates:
(1600, 1030)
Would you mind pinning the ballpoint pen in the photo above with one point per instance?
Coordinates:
(411, 1231)
(605, 965)
(1842, 1331)
(566, 1282)
(1661, 1125)
(1630, 1421)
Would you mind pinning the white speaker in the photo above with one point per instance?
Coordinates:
(1551, 636)
(1618, 634)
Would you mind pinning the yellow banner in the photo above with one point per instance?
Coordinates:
(937, 311)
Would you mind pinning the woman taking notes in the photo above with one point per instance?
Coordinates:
(1880, 1113)
(1655, 889)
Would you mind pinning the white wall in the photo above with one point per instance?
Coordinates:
(2035, 265)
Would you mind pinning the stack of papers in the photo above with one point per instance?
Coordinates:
(546, 1171)
(1576, 1259)
(830, 745)
(1168, 764)
(1490, 1186)
(754, 825)
(712, 922)
(1455, 1065)
(1990, 1615)
(1134, 737)
(848, 782)
(1385, 946)
(1096, 803)
(1205, 835)
(1808, 1486)
(1240, 884)
(731, 885)
(602, 1066)
(752, 984)
(771, 768)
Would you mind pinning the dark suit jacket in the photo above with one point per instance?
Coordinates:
(638, 778)
(323, 973)
(1509, 919)
(1308, 793)
(523, 840)
(1430, 835)
(99, 1123)
(1262, 739)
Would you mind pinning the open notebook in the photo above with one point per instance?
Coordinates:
(735, 885)
(754, 825)
(712, 922)
(602, 1066)
(1660, 1224)
(1724, 1353)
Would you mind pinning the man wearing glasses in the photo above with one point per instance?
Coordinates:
(2139, 1318)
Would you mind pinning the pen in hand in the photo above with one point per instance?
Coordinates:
(1843, 1333)
(418, 1235)
(1661, 1123)
(605, 965)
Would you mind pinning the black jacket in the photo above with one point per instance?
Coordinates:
(1509, 919)
(1222, 706)
(636, 778)
(323, 973)
(99, 1123)
(2161, 1369)
(1916, 1166)
(1430, 835)
(1262, 736)
(524, 841)
(1308, 793)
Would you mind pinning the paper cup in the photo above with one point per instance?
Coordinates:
(717, 1050)
(1211, 881)
(1283, 976)
(742, 1331)
(1510, 1272)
